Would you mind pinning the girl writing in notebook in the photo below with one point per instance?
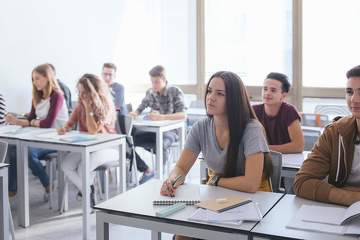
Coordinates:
(48, 110)
(94, 114)
(231, 140)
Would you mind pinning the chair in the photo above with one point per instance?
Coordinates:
(341, 110)
(275, 179)
(310, 138)
(3, 151)
(314, 119)
(124, 126)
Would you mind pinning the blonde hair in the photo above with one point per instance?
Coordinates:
(96, 92)
(52, 85)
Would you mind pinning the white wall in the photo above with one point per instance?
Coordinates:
(75, 36)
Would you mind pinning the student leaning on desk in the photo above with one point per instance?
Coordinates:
(336, 155)
(48, 109)
(166, 103)
(95, 113)
(231, 140)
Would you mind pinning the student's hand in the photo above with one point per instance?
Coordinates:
(35, 123)
(133, 114)
(155, 116)
(61, 131)
(167, 188)
(9, 118)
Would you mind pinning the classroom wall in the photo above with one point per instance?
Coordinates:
(75, 36)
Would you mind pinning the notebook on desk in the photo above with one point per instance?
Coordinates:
(223, 204)
(186, 193)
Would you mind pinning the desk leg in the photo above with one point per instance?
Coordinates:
(155, 235)
(102, 227)
(122, 165)
(159, 154)
(62, 196)
(85, 158)
(23, 185)
(4, 206)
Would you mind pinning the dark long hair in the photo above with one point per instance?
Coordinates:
(239, 113)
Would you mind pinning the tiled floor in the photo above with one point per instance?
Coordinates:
(49, 224)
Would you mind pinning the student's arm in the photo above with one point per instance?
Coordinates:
(9, 118)
(144, 103)
(251, 181)
(74, 118)
(296, 143)
(92, 125)
(309, 182)
(183, 165)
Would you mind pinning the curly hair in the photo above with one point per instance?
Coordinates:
(97, 94)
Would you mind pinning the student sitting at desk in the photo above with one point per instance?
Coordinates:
(116, 89)
(166, 103)
(48, 110)
(238, 159)
(95, 113)
(336, 156)
(280, 119)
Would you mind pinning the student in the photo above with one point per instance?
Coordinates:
(116, 89)
(336, 156)
(166, 103)
(65, 89)
(3, 110)
(94, 113)
(47, 110)
(237, 159)
(280, 119)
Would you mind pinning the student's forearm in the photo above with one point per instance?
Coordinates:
(291, 147)
(174, 116)
(343, 196)
(22, 122)
(243, 184)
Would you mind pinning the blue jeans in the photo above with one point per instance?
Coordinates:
(34, 156)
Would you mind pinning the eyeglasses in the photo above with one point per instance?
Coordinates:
(107, 74)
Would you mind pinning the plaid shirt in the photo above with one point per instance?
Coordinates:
(170, 101)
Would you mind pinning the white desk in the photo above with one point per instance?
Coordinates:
(274, 223)
(319, 129)
(30, 139)
(159, 127)
(134, 208)
(4, 203)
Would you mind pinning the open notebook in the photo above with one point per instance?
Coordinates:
(186, 193)
(338, 220)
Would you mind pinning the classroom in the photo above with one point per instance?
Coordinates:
(179, 119)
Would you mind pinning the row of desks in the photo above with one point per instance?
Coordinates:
(134, 208)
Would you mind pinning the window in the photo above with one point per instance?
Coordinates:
(331, 37)
(156, 32)
(249, 37)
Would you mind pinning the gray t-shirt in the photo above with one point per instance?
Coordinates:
(202, 138)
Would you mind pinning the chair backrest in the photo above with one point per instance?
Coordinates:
(310, 138)
(314, 119)
(276, 159)
(3, 151)
(340, 110)
(124, 124)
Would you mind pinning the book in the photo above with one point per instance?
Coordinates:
(78, 138)
(186, 193)
(246, 212)
(223, 204)
(337, 220)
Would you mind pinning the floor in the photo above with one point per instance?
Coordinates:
(49, 224)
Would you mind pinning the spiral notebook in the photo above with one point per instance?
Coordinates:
(186, 193)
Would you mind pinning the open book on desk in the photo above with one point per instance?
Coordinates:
(186, 193)
(246, 212)
(339, 220)
(70, 137)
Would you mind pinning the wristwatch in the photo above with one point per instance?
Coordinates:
(214, 180)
